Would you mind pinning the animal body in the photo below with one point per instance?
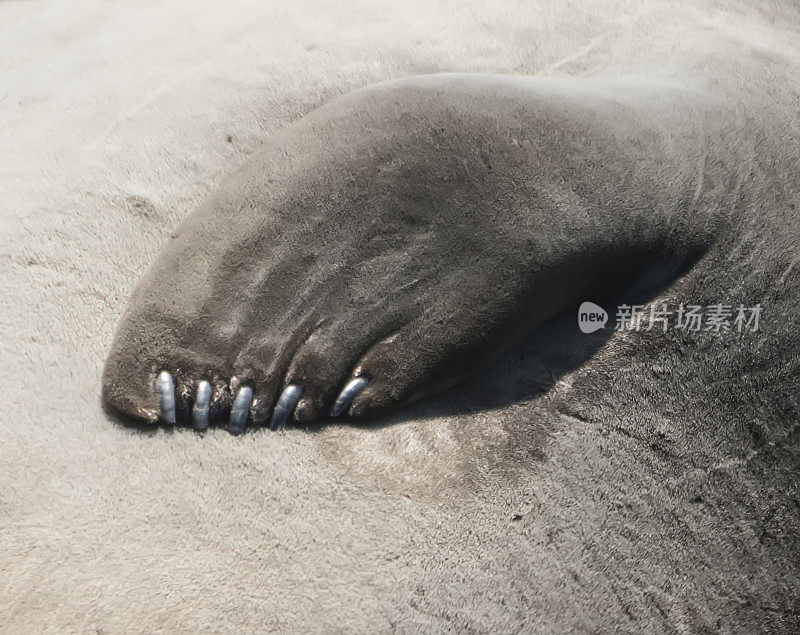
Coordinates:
(402, 237)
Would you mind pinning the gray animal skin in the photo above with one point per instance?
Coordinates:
(413, 231)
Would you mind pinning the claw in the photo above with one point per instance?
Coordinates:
(241, 408)
(201, 406)
(349, 392)
(165, 387)
(286, 403)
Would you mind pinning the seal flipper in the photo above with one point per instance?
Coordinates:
(444, 219)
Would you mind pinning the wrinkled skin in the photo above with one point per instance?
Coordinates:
(412, 231)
